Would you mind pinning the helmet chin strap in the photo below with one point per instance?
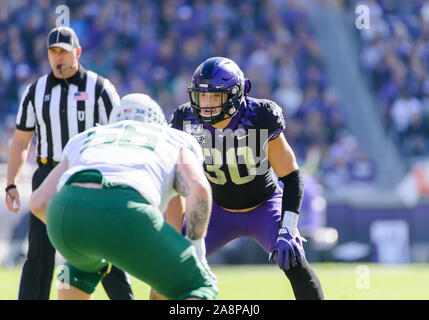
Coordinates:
(211, 115)
(211, 120)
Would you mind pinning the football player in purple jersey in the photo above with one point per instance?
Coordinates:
(246, 152)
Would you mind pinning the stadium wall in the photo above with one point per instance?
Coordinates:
(391, 234)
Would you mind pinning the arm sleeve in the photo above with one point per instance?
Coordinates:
(293, 192)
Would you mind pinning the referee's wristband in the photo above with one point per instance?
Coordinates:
(11, 186)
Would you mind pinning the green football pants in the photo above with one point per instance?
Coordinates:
(94, 227)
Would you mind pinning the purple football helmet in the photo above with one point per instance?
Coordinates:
(218, 75)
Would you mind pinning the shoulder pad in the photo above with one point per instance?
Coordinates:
(267, 114)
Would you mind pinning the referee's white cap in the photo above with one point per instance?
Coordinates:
(63, 37)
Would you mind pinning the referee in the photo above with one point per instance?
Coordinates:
(57, 106)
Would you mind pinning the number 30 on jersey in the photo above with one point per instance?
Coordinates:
(234, 157)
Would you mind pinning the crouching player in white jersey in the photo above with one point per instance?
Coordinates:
(113, 183)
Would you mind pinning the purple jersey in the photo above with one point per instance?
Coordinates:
(235, 160)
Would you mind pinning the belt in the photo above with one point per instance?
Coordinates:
(45, 162)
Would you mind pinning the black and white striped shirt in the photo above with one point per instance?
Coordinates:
(58, 109)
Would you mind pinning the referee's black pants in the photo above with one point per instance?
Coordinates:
(37, 273)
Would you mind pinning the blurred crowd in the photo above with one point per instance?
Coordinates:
(395, 55)
(154, 47)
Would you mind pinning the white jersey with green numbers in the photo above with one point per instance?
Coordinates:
(140, 155)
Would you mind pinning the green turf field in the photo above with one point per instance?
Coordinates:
(339, 281)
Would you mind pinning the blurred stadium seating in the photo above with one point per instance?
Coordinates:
(154, 47)
(395, 56)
